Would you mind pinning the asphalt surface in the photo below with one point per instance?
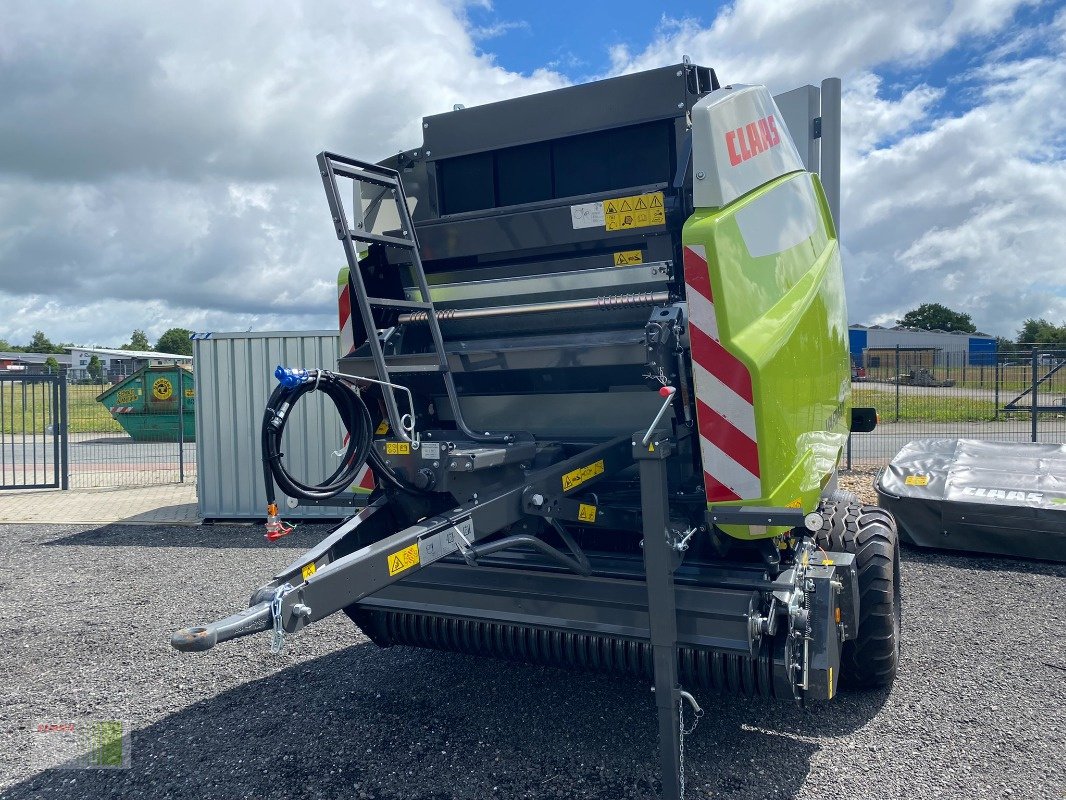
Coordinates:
(978, 710)
(888, 438)
(96, 460)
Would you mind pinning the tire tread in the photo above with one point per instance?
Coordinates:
(868, 532)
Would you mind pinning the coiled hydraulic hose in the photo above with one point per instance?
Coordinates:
(294, 384)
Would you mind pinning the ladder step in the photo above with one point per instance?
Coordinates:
(366, 177)
(395, 369)
(377, 238)
(388, 302)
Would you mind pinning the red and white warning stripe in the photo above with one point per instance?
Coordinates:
(121, 409)
(344, 306)
(364, 481)
(725, 410)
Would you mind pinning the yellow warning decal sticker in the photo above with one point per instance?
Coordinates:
(917, 480)
(586, 513)
(797, 503)
(625, 258)
(582, 474)
(397, 449)
(403, 559)
(383, 428)
(637, 211)
(308, 570)
(162, 389)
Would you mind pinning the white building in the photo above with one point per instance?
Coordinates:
(117, 364)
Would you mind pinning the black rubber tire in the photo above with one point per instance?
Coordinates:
(869, 532)
(841, 496)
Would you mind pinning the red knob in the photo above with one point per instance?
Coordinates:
(666, 391)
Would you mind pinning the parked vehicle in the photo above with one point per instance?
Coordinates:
(593, 384)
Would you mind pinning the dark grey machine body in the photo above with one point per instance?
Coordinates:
(539, 489)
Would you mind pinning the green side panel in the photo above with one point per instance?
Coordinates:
(153, 394)
(157, 427)
(778, 288)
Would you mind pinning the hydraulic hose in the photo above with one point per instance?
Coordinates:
(294, 384)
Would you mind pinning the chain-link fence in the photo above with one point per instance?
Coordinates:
(1010, 395)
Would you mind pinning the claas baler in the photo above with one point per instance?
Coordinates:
(596, 387)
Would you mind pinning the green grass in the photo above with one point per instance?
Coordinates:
(33, 402)
(86, 415)
(1013, 379)
(924, 408)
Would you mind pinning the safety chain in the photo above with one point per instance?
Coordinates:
(277, 644)
(698, 713)
(681, 748)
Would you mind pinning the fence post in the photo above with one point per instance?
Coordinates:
(57, 461)
(897, 383)
(1033, 412)
(997, 387)
(181, 424)
(64, 431)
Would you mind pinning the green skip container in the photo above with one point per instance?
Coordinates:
(146, 403)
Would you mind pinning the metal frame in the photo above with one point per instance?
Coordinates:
(338, 582)
(363, 557)
(330, 166)
(482, 510)
(660, 558)
(1032, 390)
(55, 389)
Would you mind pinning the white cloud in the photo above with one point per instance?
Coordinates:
(498, 28)
(162, 157)
(785, 44)
(157, 166)
(963, 208)
(968, 211)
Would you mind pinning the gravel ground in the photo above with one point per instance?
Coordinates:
(85, 618)
(861, 482)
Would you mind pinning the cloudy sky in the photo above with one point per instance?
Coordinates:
(157, 159)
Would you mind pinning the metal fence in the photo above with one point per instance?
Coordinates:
(33, 453)
(104, 454)
(56, 433)
(1015, 395)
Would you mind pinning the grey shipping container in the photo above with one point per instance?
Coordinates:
(234, 376)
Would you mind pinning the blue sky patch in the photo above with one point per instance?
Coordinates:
(574, 39)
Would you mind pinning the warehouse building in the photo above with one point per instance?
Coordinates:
(30, 362)
(924, 348)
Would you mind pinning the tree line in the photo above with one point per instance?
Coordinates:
(174, 340)
(934, 316)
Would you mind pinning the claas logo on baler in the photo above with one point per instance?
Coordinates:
(749, 140)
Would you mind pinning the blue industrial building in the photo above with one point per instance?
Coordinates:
(948, 347)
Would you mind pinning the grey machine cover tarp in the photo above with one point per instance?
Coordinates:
(1007, 498)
